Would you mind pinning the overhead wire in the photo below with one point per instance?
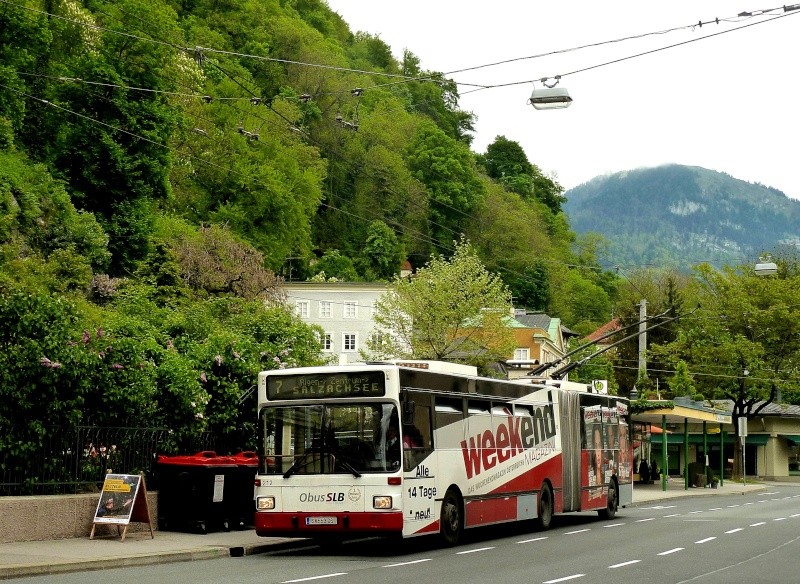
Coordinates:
(737, 18)
(636, 55)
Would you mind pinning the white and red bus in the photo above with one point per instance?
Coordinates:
(417, 448)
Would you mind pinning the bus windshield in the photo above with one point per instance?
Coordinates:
(330, 439)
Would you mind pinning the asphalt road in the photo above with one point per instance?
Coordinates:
(750, 538)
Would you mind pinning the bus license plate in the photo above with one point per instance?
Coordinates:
(323, 520)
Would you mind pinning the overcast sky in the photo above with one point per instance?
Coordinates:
(729, 103)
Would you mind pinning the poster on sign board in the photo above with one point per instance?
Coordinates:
(123, 499)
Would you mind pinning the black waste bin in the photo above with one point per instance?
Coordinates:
(240, 497)
(191, 491)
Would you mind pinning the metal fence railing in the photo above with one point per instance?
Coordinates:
(76, 460)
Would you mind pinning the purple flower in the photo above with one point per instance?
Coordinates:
(86, 337)
(55, 365)
(117, 366)
(45, 362)
(99, 332)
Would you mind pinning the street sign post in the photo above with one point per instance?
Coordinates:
(743, 438)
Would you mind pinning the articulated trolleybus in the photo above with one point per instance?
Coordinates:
(415, 448)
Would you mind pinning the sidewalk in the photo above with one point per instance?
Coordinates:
(33, 558)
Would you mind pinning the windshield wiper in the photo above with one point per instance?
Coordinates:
(300, 462)
(347, 466)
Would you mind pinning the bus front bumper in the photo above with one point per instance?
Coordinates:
(283, 524)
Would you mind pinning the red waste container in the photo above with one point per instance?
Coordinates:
(240, 498)
(191, 494)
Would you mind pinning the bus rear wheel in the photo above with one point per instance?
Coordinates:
(545, 510)
(451, 518)
(611, 503)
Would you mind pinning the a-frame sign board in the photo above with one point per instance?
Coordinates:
(123, 499)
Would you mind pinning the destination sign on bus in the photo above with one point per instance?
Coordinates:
(326, 385)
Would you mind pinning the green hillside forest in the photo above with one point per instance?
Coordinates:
(164, 164)
(681, 216)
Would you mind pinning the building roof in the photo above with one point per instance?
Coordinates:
(773, 409)
(610, 326)
(534, 320)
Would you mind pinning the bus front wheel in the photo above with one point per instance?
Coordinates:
(451, 518)
(611, 502)
(545, 513)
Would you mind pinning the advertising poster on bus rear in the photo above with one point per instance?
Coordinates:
(593, 424)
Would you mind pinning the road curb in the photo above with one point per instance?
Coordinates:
(191, 555)
(48, 569)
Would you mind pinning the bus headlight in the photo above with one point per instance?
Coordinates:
(381, 502)
(265, 503)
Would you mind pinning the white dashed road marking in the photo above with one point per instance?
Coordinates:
(564, 579)
(407, 563)
(475, 550)
(624, 564)
(315, 577)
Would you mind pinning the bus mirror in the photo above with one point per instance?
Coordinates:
(408, 413)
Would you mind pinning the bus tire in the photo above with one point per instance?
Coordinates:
(545, 507)
(611, 503)
(451, 519)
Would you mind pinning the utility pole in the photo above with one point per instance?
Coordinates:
(642, 338)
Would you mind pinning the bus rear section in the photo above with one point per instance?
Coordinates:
(597, 457)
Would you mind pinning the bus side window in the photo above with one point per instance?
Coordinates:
(449, 412)
(523, 411)
(480, 418)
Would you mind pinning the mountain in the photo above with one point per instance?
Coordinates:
(683, 215)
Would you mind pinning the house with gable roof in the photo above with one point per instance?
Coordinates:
(540, 339)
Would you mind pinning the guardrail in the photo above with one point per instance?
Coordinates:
(76, 460)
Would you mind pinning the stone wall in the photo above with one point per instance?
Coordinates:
(59, 517)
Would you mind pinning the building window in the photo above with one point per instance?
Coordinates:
(302, 308)
(350, 309)
(349, 342)
(327, 342)
(324, 309)
(522, 354)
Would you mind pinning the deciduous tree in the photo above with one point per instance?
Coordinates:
(452, 309)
